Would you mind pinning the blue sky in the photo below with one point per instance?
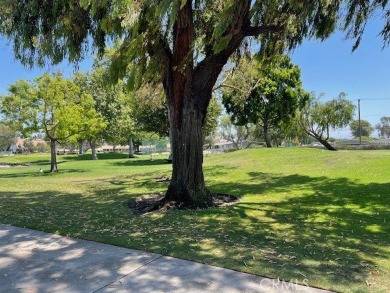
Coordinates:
(12, 70)
(330, 67)
(327, 67)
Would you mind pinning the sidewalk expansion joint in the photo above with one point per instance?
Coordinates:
(124, 276)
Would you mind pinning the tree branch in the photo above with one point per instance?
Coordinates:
(253, 31)
(228, 86)
(161, 48)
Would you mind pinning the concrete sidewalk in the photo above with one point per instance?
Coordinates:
(32, 261)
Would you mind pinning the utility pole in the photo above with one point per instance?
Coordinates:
(360, 126)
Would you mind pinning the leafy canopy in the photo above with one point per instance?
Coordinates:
(265, 94)
(50, 31)
(51, 104)
(365, 128)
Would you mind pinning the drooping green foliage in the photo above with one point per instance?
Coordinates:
(265, 94)
(317, 119)
(364, 129)
(357, 14)
(294, 132)
(51, 31)
(44, 31)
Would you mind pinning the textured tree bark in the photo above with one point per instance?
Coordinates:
(53, 156)
(188, 89)
(187, 110)
(187, 187)
(92, 143)
(326, 144)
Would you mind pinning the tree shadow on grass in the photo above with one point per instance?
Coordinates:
(37, 173)
(45, 162)
(101, 156)
(32, 163)
(137, 160)
(141, 162)
(218, 170)
(322, 231)
(335, 226)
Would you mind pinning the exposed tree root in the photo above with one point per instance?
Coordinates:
(157, 202)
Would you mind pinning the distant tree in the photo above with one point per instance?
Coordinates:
(95, 124)
(294, 132)
(271, 98)
(366, 128)
(129, 116)
(317, 119)
(236, 134)
(7, 137)
(126, 131)
(210, 126)
(383, 127)
(276, 135)
(42, 147)
(28, 146)
(149, 109)
(212, 117)
(93, 127)
(19, 107)
(50, 104)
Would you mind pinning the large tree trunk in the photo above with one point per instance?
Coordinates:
(188, 89)
(187, 110)
(93, 149)
(53, 156)
(326, 144)
(187, 187)
(131, 148)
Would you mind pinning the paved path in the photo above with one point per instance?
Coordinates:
(32, 261)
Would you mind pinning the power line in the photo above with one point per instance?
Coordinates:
(373, 99)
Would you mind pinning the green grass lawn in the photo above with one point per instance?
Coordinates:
(314, 217)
